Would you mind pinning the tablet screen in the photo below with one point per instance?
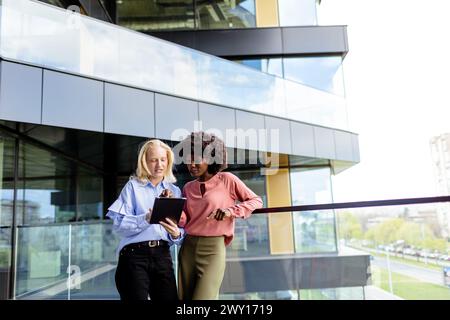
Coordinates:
(167, 208)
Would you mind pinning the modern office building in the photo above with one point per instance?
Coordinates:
(440, 154)
(78, 95)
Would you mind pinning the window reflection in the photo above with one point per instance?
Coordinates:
(271, 66)
(156, 15)
(7, 150)
(324, 73)
(54, 190)
(223, 14)
(42, 260)
(251, 235)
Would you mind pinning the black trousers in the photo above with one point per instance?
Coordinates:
(146, 272)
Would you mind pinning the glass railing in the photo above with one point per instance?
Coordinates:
(409, 249)
(66, 261)
(398, 249)
(47, 36)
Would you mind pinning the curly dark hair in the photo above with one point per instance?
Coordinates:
(212, 150)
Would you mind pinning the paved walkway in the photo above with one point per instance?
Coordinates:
(375, 293)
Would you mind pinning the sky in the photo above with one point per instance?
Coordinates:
(398, 93)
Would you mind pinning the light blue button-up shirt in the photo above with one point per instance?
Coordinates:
(129, 210)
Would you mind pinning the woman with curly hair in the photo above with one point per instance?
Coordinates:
(214, 200)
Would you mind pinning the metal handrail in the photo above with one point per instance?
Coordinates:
(357, 204)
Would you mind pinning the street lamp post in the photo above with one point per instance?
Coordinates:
(388, 260)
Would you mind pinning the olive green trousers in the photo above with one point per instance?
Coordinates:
(201, 267)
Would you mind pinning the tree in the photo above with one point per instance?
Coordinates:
(349, 226)
(385, 233)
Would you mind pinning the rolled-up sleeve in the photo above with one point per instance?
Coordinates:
(125, 222)
(178, 240)
(249, 201)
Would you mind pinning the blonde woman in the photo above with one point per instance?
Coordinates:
(145, 267)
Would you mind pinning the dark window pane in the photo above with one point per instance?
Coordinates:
(156, 15)
(225, 14)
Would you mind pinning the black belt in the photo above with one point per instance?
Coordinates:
(147, 244)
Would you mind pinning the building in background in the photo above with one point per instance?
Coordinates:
(79, 95)
(440, 154)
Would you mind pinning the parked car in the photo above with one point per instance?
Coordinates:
(433, 256)
(410, 252)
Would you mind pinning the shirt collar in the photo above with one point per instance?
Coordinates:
(163, 183)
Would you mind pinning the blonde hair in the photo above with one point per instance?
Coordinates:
(142, 172)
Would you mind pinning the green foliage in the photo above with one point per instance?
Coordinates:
(435, 244)
(412, 233)
(349, 226)
(385, 232)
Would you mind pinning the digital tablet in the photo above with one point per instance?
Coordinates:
(167, 208)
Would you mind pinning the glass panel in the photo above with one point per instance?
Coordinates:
(46, 192)
(224, 14)
(7, 149)
(297, 12)
(251, 235)
(156, 15)
(408, 247)
(314, 230)
(271, 66)
(51, 37)
(90, 196)
(314, 107)
(93, 261)
(52, 189)
(324, 73)
(42, 262)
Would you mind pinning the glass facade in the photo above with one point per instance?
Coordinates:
(324, 73)
(200, 14)
(46, 36)
(53, 189)
(156, 15)
(251, 235)
(64, 247)
(225, 14)
(57, 183)
(272, 66)
(184, 15)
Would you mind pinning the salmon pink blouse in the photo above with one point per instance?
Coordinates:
(223, 191)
